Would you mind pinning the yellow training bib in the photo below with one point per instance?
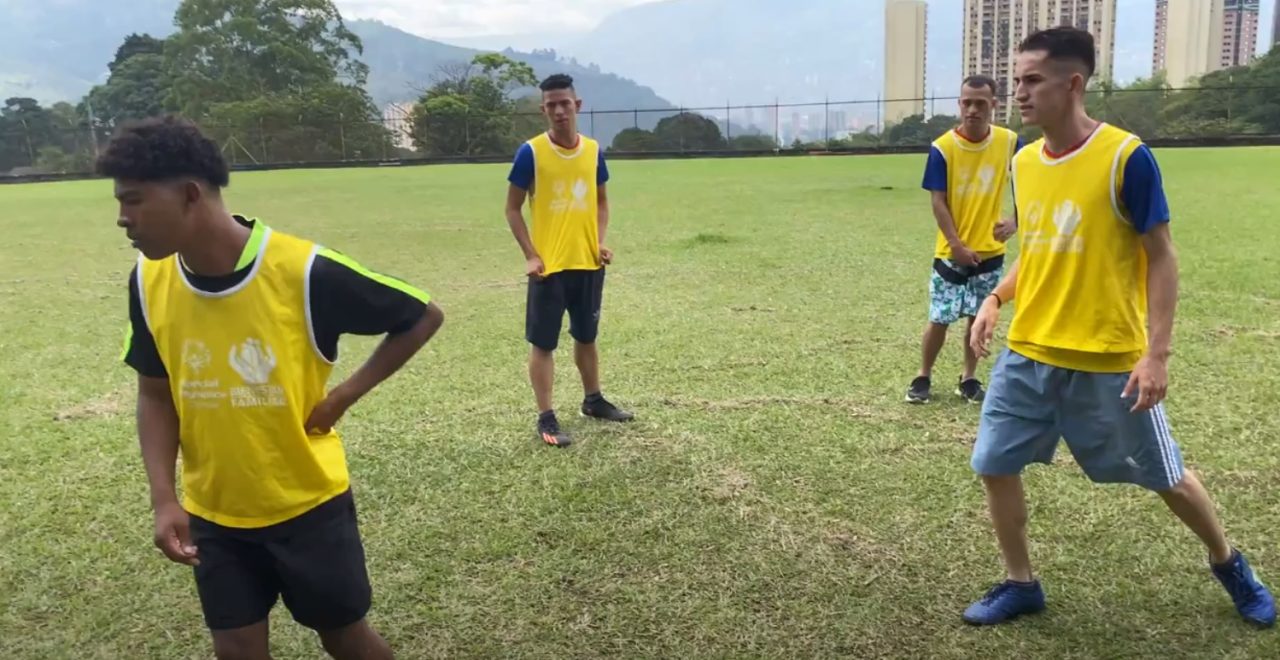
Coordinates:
(245, 373)
(1082, 273)
(563, 202)
(977, 178)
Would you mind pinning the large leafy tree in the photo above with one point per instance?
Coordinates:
(470, 110)
(240, 50)
(138, 85)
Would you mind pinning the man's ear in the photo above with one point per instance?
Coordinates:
(192, 191)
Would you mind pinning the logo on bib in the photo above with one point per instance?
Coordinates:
(253, 361)
(1065, 218)
(196, 355)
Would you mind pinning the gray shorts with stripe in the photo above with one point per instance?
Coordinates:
(1030, 406)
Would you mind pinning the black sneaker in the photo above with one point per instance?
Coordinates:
(596, 406)
(549, 432)
(919, 391)
(971, 390)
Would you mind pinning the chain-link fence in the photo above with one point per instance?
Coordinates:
(55, 145)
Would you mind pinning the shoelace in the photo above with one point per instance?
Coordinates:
(1238, 586)
(996, 592)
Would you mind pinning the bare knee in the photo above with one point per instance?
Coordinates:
(357, 641)
(1187, 487)
(241, 644)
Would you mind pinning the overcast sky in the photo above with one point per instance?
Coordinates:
(469, 18)
(473, 18)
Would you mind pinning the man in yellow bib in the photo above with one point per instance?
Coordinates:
(1095, 289)
(966, 175)
(234, 330)
(563, 175)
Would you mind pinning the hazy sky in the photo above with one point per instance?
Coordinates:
(469, 18)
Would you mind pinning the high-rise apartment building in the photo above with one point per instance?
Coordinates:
(994, 28)
(905, 26)
(1275, 25)
(1195, 37)
(1239, 32)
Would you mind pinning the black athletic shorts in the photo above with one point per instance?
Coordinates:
(578, 292)
(315, 561)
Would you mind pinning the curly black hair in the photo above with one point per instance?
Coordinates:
(160, 149)
(557, 81)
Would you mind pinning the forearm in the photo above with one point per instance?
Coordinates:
(1007, 289)
(515, 219)
(391, 355)
(158, 436)
(946, 223)
(602, 222)
(1162, 300)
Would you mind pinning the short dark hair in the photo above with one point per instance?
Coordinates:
(557, 81)
(1064, 43)
(980, 81)
(160, 149)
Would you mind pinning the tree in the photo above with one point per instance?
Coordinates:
(911, 131)
(634, 139)
(240, 50)
(1135, 107)
(753, 142)
(138, 85)
(688, 132)
(324, 122)
(25, 129)
(136, 44)
(469, 110)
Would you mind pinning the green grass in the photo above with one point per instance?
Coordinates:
(774, 499)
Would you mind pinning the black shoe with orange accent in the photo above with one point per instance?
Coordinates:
(549, 431)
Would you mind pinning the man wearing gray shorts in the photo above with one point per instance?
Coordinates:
(1096, 286)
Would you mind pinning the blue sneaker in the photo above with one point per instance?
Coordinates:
(1005, 602)
(1252, 599)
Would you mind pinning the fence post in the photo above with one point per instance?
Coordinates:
(262, 140)
(728, 123)
(342, 134)
(637, 118)
(26, 132)
(593, 123)
(826, 110)
(777, 123)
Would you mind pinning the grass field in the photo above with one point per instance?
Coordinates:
(774, 499)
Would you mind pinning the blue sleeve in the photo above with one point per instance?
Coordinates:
(522, 169)
(935, 172)
(602, 170)
(1143, 191)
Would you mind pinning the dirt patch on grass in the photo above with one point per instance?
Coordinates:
(732, 482)
(107, 405)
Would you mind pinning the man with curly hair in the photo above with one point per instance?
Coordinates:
(234, 330)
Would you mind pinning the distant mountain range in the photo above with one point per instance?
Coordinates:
(56, 50)
(694, 53)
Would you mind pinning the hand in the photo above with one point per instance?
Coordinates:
(1005, 229)
(173, 534)
(534, 267)
(1150, 381)
(327, 413)
(984, 327)
(963, 256)
(606, 255)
